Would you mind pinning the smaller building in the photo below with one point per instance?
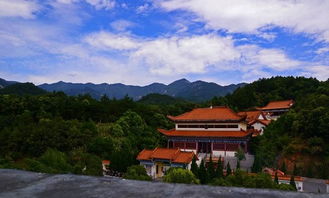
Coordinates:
(275, 109)
(285, 179)
(158, 161)
(327, 183)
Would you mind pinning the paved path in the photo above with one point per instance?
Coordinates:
(17, 184)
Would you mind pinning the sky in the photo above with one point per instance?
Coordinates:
(139, 42)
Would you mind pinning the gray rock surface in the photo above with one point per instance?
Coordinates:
(16, 183)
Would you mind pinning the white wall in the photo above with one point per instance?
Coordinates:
(259, 126)
(189, 150)
(223, 153)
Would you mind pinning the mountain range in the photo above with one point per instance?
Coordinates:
(192, 91)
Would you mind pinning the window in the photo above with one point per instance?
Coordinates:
(219, 126)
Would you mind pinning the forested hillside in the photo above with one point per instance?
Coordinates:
(57, 133)
(22, 89)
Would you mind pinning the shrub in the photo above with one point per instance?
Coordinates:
(221, 182)
(137, 172)
(285, 187)
(179, 175)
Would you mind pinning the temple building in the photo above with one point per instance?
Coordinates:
(275, 109)
(158, 161)
(216, 130)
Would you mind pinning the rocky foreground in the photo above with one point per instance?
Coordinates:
(16, 183)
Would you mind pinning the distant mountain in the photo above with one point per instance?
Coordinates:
(5, 83)
(22, 89)
(193, 91)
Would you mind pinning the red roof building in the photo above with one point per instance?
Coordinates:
(275, 109)
(215, 130)
(256, 121)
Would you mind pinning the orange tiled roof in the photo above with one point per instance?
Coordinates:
(106, 162)
(233, 134)
(204, 114)
(251, 115)
(184, 157)
(264, 122)
(327, 182)
(288, 177)
(165, 153)
(144, 154)
(284, 104)
(174, 155)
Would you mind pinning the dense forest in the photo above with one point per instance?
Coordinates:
(53, 132)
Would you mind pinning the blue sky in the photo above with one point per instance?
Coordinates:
(145, 41)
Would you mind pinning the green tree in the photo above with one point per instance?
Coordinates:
(211, 169)
(276, 179)
(194, 167)
(238, 164)
(219, 169)
(292, 182)
(203, 175)
(228, 169)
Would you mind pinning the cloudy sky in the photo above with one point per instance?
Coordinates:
(145, 41)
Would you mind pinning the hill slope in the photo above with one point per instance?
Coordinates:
(5, 83)
(160, 99)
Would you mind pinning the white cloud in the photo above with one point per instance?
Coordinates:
(109, 41)
(102, 4)
(122, 25)
(18, 8)
(322, 50)
(98, 4)
(320, 72)
(142, 8)
(167, 56)
(250, 16)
